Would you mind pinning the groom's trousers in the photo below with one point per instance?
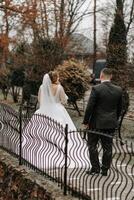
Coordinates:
(106, 143)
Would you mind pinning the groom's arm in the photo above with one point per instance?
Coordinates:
(90, 107)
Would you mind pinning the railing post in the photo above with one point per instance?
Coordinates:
(66, 151)
(20, 131)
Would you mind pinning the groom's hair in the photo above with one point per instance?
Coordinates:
(53, 76)
(107, 73)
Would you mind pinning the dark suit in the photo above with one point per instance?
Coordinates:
(102, 113)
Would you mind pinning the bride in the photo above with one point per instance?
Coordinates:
(44, 139)
(51, 98)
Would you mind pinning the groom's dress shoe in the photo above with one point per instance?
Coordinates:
(93, 171)
(104, 172)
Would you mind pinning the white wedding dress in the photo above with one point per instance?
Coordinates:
(44, 138)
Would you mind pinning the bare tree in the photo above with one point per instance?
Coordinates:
(107, 15)
(63, 17)
(46, 18)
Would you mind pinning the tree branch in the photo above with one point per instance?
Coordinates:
(131, 18)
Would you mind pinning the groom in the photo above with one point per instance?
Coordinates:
(102, 113)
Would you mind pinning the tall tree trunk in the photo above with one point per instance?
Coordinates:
(5, 38)
(94, 35)
(61, 23)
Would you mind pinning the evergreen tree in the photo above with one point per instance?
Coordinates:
(117, 51)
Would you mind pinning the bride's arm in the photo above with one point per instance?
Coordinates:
(39, 94)
(63, 96)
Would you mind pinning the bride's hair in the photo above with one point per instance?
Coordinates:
(53, 76)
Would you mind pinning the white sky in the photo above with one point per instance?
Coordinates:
(86, 26)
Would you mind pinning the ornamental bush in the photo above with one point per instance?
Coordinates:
(75, 78)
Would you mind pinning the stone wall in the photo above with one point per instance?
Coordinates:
(20, 183)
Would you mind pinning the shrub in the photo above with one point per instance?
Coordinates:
(75, 78)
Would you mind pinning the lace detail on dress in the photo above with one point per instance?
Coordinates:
(61, 96)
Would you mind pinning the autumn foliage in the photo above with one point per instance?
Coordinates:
(75, 78)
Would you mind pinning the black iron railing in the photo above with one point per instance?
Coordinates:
(45, 146)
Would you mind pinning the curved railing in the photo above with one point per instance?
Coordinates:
(47, 147)
(9, 129)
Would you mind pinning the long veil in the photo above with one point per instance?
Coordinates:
(46, 97)
(49, 106)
